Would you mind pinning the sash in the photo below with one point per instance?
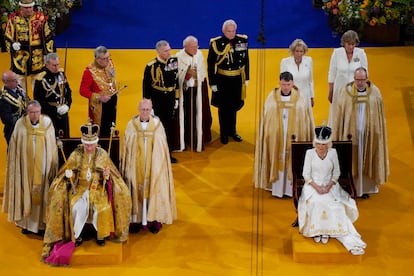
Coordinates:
(144, 153)
(105, 79)
(291, 106)
(35, 150)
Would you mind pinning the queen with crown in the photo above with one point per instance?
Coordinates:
(325, 210)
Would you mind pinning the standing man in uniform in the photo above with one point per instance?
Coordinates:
(160, 84)
(195, 114)
(28, 40)
(359, 111)
(228, 73)
(13, 102)
(99, 86)
(54, 95)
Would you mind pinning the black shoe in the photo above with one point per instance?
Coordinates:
(154, 227)
(237, 137)
(135, 227)
(100, 242)
(224, 140)
(78, 242)
(25, 231)
(173, 160)
(365, 196)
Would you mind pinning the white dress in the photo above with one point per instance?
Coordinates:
(329, 214)
(302, 75)
(341, 72)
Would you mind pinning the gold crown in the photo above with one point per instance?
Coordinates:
(26, 3)
(90, 133)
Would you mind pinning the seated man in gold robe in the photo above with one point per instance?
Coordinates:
(88, 189)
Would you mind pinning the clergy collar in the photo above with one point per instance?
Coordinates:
(286, 95)
(187, 53)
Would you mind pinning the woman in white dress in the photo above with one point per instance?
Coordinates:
(324, 209)
(301, 67)
(344, 61)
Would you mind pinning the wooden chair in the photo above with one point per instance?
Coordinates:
(344, 150)
(70, 144)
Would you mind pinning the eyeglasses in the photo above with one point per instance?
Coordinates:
(12, 80)
(105, 58)
(360, 79)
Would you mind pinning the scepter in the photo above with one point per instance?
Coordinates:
(109, 154)
(60, 146)
(118, 90)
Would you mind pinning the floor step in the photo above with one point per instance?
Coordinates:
(305, 250)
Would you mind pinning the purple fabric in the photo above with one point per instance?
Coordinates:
(61, 253)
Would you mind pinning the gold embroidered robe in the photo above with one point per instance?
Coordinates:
(21, 193)
(112, 217)
(269, 142)
(160, 184)
(376, 162)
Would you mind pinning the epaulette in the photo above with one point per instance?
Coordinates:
(152, 62)
(41, 75)
(215, 38)
(242, 36)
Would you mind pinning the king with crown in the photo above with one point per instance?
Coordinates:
(88, 190)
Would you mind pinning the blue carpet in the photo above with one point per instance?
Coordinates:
(132, 24)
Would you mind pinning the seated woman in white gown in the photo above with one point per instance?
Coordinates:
(324, 209)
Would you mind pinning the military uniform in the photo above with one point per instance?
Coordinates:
(228, 69)
(12, 106)
(52, 90)
(36, 41)
(97, 81)
(160, 84)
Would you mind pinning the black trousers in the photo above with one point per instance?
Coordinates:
(229, 102)
(163, 105)
(190, 114)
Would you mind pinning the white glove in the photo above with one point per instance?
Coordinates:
(190, 82)
(68, 173)
(246, 82)
(176, 104)
(214, 88)
(63, 109)
(16, 46)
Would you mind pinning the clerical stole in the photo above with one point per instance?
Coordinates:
(35, 152)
